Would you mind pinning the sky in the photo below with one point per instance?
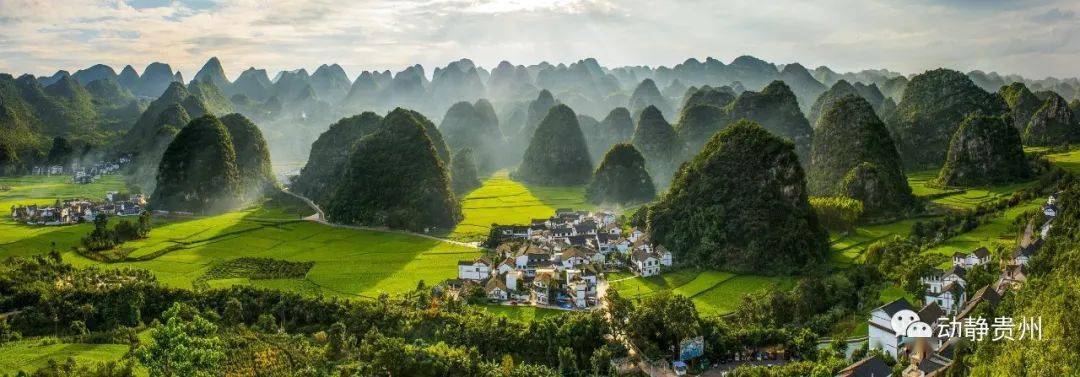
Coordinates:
(1036, 38)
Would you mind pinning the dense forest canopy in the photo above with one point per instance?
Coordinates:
(847, 136)
(395, 177)
(621, 178)
(557, 154)
(741, 205)
(198, 172)
(984, 150)
(329, 155)
(933, 105)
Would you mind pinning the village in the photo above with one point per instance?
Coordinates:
(948, 309)
(560, 261)
(83, 174)
(75, 211)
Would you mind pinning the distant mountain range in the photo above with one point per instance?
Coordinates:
(97, 104)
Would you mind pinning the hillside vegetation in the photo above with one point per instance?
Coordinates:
(741, 205)
(395, 178)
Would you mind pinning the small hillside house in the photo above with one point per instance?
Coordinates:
(881, 335)
(978, 257)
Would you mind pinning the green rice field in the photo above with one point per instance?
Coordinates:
(347, 262)
(965, 198)
(1000, 231)
(29, 355)
(505, 201)
(1069, 161)
(713, 292)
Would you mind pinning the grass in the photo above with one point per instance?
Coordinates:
(347, 262)
(999, 231)
(505, 201)
(726, 296)
(29, 355)
(47, 189)
(848, 248)
(1069, 160)
(964, 198)
(893, 293)
(713, 292)
(521, 313)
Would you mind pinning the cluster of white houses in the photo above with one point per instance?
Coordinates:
(559, 260)
(946, 297)
(83, 174)
(75, 211)
(89, 174)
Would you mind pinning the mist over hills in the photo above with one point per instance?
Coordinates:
(293, 108)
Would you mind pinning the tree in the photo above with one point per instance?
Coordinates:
(341, 342)
(61, 151)
(234, 312)
(567, 362)
(601, 362)
(186, 344)
(463, 174)
(837, 212)
(659, 322)
(101, 238)
(145, 224)
(266, 324)
(78, 329)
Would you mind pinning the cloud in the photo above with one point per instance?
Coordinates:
(1055, 15)
(1034, 38)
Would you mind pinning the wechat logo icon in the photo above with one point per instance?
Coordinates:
(906, 323)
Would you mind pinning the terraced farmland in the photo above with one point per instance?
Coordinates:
(965, 198)
(713, 292)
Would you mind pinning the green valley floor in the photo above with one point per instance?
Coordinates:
(359, 263)
(347, 262)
